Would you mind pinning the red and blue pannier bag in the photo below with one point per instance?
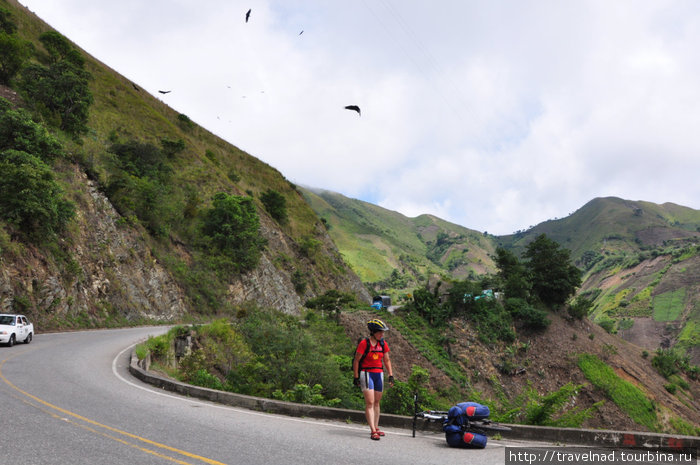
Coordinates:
(457, 417)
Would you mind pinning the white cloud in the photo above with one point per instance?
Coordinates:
(496, 115)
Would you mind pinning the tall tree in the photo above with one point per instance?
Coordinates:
(554, 278)
(513, 274)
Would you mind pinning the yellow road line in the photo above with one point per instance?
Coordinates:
(109, 428)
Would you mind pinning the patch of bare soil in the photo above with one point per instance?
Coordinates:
(644, 268)
(657, 236)
(10, 95)
(649, 334)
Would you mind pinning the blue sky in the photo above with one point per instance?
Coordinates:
(494, 115)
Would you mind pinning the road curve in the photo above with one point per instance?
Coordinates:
(68, 398)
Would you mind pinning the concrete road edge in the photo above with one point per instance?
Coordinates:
(557, 436)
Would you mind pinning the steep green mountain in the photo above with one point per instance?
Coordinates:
(394, 251)
(640, 261)
(641, 265)
(611, 225)
(126, 227)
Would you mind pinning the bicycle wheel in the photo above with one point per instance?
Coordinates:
(487, 426)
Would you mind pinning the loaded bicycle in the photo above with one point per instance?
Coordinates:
(465, 424)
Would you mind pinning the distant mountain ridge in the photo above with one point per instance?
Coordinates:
(631, 225)
(640, 260)
(376, 241)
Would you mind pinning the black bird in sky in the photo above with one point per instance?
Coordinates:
(355, 108)
(165, 91)
(247, 15)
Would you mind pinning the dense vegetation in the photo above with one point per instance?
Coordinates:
(195, 200)
(32, 201)
(545, 281)
(307, 360)
(315, 345)
(57, 87)
(270, 354)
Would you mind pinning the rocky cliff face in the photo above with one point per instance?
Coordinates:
(107, 274)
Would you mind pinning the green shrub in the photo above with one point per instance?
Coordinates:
(399, 399)
(141, 351)
(14, 52)
(624, 394)
(608, 324)
(143, 198)
(492, 321)
(288, 353)
(299, 281)
(309, 246)
(681, 426)
(529, 316)
(331, 300)
(275, 204)
(21, 304)
(172, 147)
(30, 198)
(544, 410)
(668, 362)
(185, 122)
(223, 346)
(232, 227)
(580, 308)
(59, 91)
(550, 409)
(158, 346)
(205, 379)
(305, 394)
(6, 24)
(19, 132)
(141, 159)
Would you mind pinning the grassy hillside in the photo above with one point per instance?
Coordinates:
(160, 171)
(640, 260)
(641, 266)
(611, 225)
(377, 242)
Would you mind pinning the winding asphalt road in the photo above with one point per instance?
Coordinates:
(67, 398)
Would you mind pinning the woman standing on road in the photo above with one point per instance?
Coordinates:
(371, 355)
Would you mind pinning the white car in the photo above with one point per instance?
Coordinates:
(14, 329)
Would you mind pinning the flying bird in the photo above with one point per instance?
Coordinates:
(355, 108)
(247, 15)
(165, 91)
